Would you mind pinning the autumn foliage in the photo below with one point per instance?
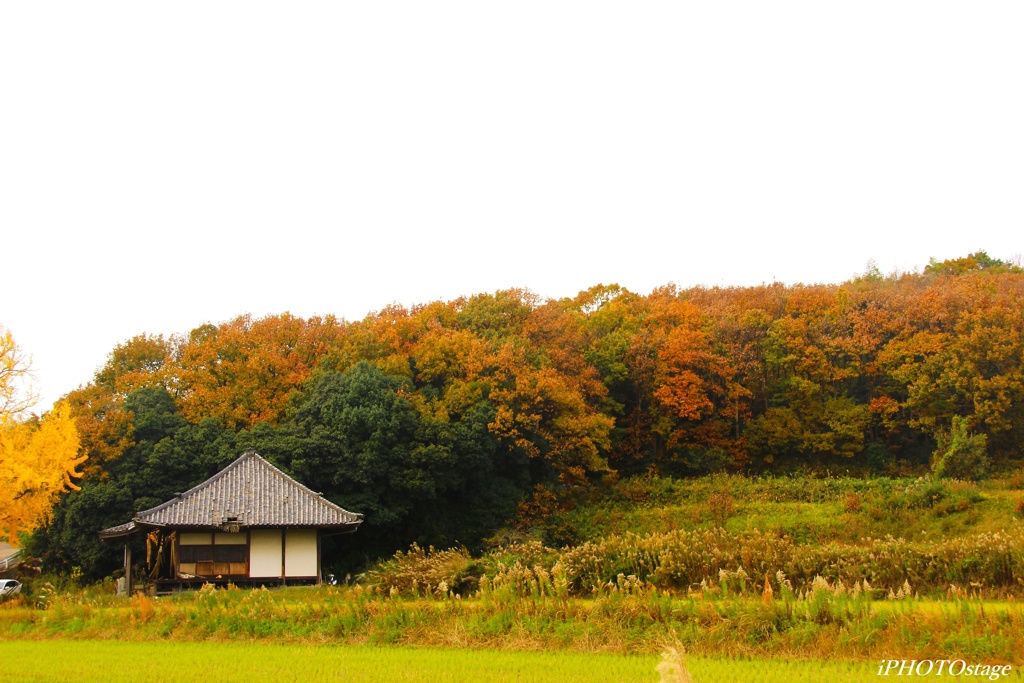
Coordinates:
(38, 456)
(506, 390)
(875, 369)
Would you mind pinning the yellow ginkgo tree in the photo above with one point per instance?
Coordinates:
(15, 395)
(38, 456)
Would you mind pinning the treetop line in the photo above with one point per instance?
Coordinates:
(437, 421)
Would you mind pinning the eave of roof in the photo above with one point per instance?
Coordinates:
(125, 529)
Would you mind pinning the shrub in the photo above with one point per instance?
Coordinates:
(421, 571)
(961, 455)
(721, 507)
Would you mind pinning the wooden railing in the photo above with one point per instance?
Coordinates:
(11, 561)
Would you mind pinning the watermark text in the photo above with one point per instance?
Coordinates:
(942, 667)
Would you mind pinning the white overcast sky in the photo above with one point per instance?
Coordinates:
(167, 164)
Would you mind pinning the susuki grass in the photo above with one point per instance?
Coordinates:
(532, 609)
(941, 536)
(681, 561)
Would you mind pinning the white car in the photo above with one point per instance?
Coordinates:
(9, 587)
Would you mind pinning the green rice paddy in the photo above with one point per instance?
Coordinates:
(85, 661)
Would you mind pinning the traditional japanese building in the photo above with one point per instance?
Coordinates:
(249, 523)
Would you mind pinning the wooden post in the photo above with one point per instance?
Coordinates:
(128, 568)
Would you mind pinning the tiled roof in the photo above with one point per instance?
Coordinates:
(119, 530)
(250, 492)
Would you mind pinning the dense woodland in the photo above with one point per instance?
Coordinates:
(445, 422)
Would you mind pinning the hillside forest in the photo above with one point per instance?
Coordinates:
(449, 421)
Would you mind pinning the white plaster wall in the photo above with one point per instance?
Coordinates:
(300, 552)
(264, 553)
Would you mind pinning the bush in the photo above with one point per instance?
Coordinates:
(961, 455)
(422, 571)
(721, 507)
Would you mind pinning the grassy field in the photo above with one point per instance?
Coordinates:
(758, 579)
(61, 661)
(808, 509)
(149, 662)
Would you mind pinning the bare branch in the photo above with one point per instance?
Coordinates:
(16, 393)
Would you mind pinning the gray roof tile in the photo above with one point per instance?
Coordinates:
(250, 492)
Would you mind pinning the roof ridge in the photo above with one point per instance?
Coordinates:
(201, 485)
(260, 465)
(291, 480)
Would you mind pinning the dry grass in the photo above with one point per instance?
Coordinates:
(830, 620)
(672, 667)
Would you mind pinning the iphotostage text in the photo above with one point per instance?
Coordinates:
(942, 667)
